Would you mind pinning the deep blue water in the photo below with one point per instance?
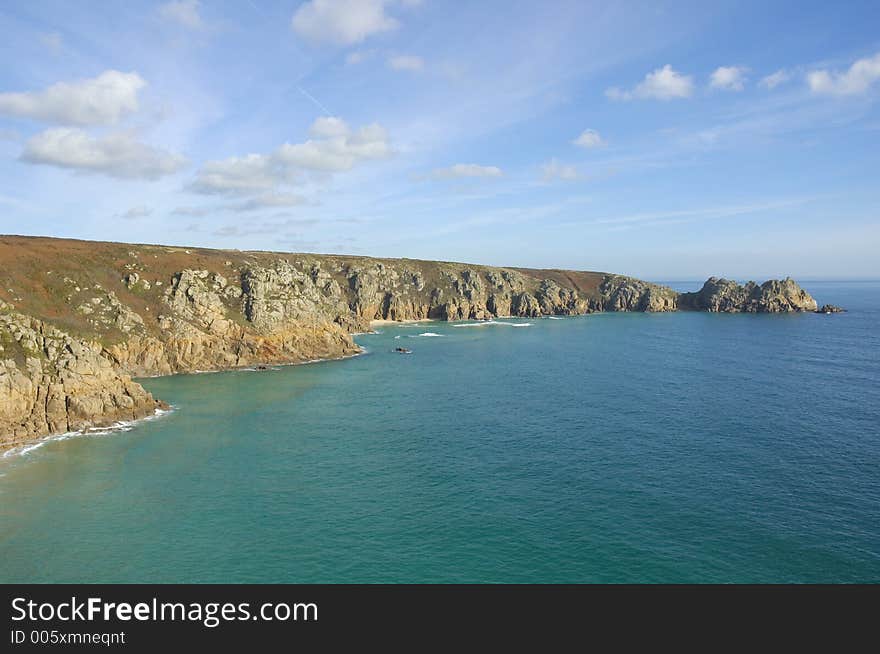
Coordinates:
(682, 447)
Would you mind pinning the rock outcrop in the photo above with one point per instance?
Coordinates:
(627, 294)
(60, 384)
(79, 319)
(830, 308)
(773, 296)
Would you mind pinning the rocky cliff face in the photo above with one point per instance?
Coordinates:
(78, 319)
(59, 383)
(628, 294)
(774, 296)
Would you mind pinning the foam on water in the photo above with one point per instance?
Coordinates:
(487, 323)
(120, 426)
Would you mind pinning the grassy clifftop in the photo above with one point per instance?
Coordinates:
(57, 280)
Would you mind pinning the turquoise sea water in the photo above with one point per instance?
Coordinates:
(682, 447)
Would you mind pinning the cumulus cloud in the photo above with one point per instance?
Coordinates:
(328, 127)
(554, 170)
(332, 147)
(729, 78)
(774, 79)
(661, 84)
(136, 212)
(182, 12)
(406, 62)
(246, 174)
(466, 170)
(856, 80)
(102, 100)
(589, 138)
(117, 154)
(342, 22)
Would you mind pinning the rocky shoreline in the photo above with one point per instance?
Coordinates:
(79, 319)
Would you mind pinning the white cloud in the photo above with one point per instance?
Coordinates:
(857, 79)
(183, 12)
(406, 62)
(729, 78)
(589, 138)
(328, 127)
(333, 147)
(553, 170)
(336, 148)
(102, 100)
(117, 154)
(250, 173)
(136, 212)
(775, 79)
(466, 170)
(342, 22)
(661, 84)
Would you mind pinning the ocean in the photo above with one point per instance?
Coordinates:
(683, 447)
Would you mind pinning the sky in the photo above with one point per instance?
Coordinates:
(665, 140)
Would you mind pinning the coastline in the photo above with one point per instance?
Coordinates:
(20, 449)
(97, 429)
(72, 343)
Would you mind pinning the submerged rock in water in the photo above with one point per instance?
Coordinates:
(830, 308)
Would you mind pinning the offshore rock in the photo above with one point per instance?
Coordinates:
(773, 296)
(830, 308)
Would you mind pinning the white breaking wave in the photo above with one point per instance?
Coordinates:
(554, 318)
(486, 323)
(425, 334)
(116, 427)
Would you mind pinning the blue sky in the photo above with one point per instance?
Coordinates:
(668, 140)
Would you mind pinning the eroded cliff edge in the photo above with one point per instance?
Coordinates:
(78, 319)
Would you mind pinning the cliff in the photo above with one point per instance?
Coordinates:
(78, 319)
(773, 296)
